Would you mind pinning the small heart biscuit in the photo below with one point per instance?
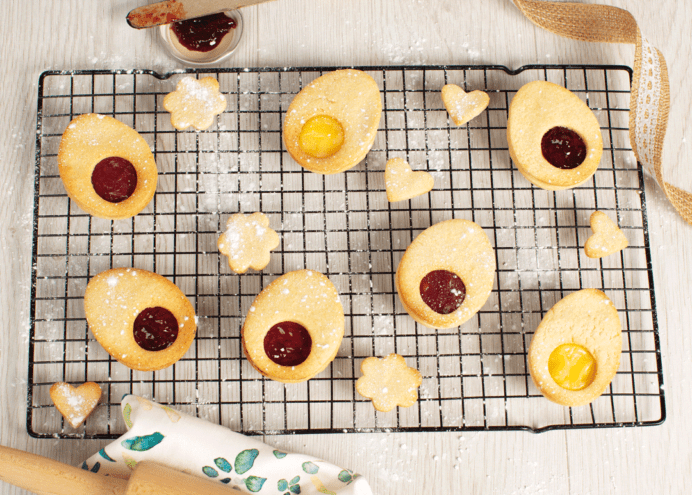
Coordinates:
(75, 404)
(462, 106)
(607, 237)
(403, 183)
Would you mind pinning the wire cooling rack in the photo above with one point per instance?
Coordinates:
(475, 376)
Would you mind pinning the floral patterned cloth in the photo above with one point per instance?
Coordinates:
(164, 435)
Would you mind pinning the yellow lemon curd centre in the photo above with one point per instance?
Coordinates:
(572, 366)
(321, 136)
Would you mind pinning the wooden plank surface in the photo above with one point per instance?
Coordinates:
(70, 34)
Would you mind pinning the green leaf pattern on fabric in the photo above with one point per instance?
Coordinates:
(103, 454)
(245, 460)
(289, 487)
(310, 467)
(347, 476)
(223, 464)
(210, 471)
(142, 444)
(127, 410)
(254, 483)
(279, 455)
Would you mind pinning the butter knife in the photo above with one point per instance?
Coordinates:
(169, 11)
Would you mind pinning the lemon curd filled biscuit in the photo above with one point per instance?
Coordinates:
(331, 124)
(575, 352)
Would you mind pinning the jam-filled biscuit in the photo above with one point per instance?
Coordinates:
(403, 183)
(389, 382)
(554, 138)
(142, 319)
(247, 241)
(75, 404)
(331, 124)
(446, 274)
(294, 327)
(575, 352)
(106, 166)
(195, 103)
(607, 237)
(461, 106)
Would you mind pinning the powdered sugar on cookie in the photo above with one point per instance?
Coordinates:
(248, 241)
(195, 103)
(75, 404)
(461, 106)
(389, 382)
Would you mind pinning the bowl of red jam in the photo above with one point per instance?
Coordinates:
(203, 41)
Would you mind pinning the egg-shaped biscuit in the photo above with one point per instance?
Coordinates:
(140, 318)
(575, 351)
(294, 327)
(554, 138)
(446, 274)
(335, 118)
(106, 166)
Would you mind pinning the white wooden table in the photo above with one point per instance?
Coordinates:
(71, 34)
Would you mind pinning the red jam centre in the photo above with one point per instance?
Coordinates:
(563, 148)
(114, 179)
(204, 33)
(155, 329)
(442, 291)
(288, 343)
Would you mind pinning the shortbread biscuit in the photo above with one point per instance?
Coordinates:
(140, 318)
(75, 404)
(331, 124)
(294, 327)
(554, 138)
(446, 274)
(607, 237)
(107, 167)
(575, 351)
(195, 103)
(247, 241)
(403, 183)
(389, 382)
(463, 107)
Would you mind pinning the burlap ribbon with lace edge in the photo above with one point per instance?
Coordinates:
(650, 96)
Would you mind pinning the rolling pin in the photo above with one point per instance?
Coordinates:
(45, 476)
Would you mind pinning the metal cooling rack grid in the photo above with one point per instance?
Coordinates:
(475, 377)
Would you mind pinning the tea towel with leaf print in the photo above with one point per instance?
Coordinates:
(161, 434)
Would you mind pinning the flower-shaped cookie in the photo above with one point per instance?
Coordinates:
(194, 103)
(389, 382)
(607, 237)
(403, 183)
(461, 106)
(247, 242)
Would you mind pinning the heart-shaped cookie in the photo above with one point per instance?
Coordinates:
(75, 404)
(607, 237)
(403, 183)
(462, 106)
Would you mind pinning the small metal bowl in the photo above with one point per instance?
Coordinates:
(228, 44)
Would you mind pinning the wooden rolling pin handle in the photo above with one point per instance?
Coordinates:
(150, 478)
(45, 476)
